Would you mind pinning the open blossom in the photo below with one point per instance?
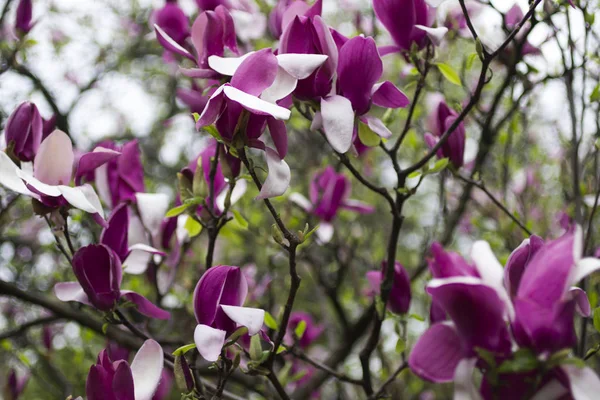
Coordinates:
(99, 273)
(533, 296)
(329, 193)
(118, 379)
(399, 300)
(23, 131)
(439, 122)
(52, 173)
(218, 300)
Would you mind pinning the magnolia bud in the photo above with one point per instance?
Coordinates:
(24, 131)
(183, 375)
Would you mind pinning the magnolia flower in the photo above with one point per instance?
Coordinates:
(399, 300)
(52, 173)
(119, 380)
(312, 331)
(329, 193)
(534, 294)
(439, 122)
(173, 21)
(408, 22)
(285, 11)
(99, 273)
(23, 131)
(120, 178)
(23, 17)
(511, 19)
(218, 300)
(15, 385)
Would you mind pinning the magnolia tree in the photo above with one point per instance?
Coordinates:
(297, 199)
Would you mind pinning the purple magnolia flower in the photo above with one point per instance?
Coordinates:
(52, 173)
(196, 98)
(23, 17)
(408, 22)
(399, 300)
(23, 131)
(481, 309)
(120, 178)
(99, 273)
(358, 70)
(109, 379)
(15, 385)
(207, 5)
(329, 193)
(218, 300)
(439, 122)
(455, 18)
(285, 11)
(212, 32)
(173, 21)
(311, 333)
(511, 20)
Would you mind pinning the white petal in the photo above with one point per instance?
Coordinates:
(71, 291)
(253, 103)
(325, 232)
(578, 243)
(171, 42)
(301, 66)
(467, 280)
(152, 208)
(226, 65)
(583, 268)
(209, 342)
(101, 179)
(283, 85)
(279, 176)
(378, 127)
(317, 122)
(78, 197)
(584, 382)
(553, 390)
(53, 163)
(301, 201)
(146, 369)
(9, 176)
(436, 35)
(464, 388)
(136, 233)
(487, 264)
(181, 231)
(238, 191)
(137, 260)
(251, 318)
(338, 122)
(48, 190)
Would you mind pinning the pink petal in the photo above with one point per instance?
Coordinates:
(256, 105)
(90, 161)
(146, 369)
(53, 163)
(9, 177)
(278, 133)
(251, 318)
(227, 65)
(138, 258)
(279, 176)
(256, 73)
(436, 35)
(338, 122)
(584, 382)
(386, 94)
(301, 66)
(152, 208)
(71, 291)
(283, 85)
(169, 44)
(145, 306)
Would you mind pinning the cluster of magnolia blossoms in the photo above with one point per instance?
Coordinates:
(516, 324)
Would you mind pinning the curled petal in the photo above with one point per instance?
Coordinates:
(90, 161)
(436, 35)
(377, 126)
(71, 291)
(283, 85)
(209, 342)
(251, 318)
(168, 43)
(278, 133)
(301, 66)
(146, 369)
(256, 73)
(212, 110)
(338, 122)
(227, 65)
(279, 176)
(9, 176)
(386, 94)
(82, 197)
(256, 105)
(145, 306)
(581, 301)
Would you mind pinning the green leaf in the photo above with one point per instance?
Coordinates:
(438, 166)
(196, 116)
(105, 327)
(175, 211)
(470, 60)
(212, 131)
(309, 233)
(300, 329)
(414, 174)
(281, 349)
(597, 318)
(184, 349)
(298, 375)
(193, 227)
(240, 219)
(239, 332)
(524, 360)
(256, 350)
(595, 95)
(400, 345)
(270, 321)
(367, 136)
(417, 317)
(449, 73)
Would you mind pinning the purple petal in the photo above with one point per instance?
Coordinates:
(338, 122)
(213, 109)
(53, 162)
(581, 300)
(518, 261)
(146, 369)
(513, 16)
(437, 353)
(251, 318)
(229, 38)
(476, 309)
(145, 306)
(90, 161)
(358, 70)
(386, 94)
(199, 73)
(279, 176)
(398, 17)
(278, 133)
(256, 73)
(169, 44)
(209, 342)
(358, 206)
(385, 50)
(399, 301)
(207, 36)
(115, 236)
(131, 170)
(122, 384)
